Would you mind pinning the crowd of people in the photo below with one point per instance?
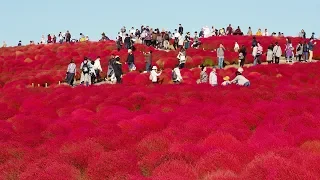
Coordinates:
(126, 39)
(90, 73)
(159, 39)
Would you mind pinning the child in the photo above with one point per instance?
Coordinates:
(226, 81)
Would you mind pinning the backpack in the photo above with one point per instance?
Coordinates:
(174, 75)
(85, 68)
(299, 48)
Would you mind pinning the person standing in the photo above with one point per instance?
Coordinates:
(97, 68)
(180, 29)
(220, 55)
(71, 71)
(61, 38)
(4, 44)
(299, 51)
(277, 52)
(187, 41)
(256, 53)
(289, 51)
(182, 58)
(54, 39)
(117, 67)
(242, 55)
(148, 60)
(311, 47)
(270, 54)
(305, 49)
(85, 68)
(110, 66)
(130, 60)
(213, 79)
(249, 33)
(68, 36)
(127, 42)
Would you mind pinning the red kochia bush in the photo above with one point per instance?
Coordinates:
(271, 166)
(111, 164)
(174, 170)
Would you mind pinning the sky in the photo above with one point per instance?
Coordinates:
(29, 20)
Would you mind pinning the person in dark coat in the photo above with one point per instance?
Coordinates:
(130, 60)
(117, 67)
(148, 60)
(127, 42)
(180, 29)
(242, 57)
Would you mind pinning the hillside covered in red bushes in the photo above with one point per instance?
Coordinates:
(138, 131)
(42, 64)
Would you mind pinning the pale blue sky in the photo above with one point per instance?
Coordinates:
(28, 20)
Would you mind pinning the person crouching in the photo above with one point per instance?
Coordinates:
(154, 75)
(240, 79)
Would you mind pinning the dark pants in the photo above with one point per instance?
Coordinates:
(299, 57)
(181, 65)
(277, 60)
(148, 42)
(98, 75)
(242, 62)
(148, 67)
(118, 79)
(70, 78)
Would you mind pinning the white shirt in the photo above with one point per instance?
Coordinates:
(43, 41)
(265, 34)
(154, 76)
(240, 80)
(177, 71)
(213, 80)
(181, 40)
(177, 35)
(132, 31)
(236, 46)
(255, 51)
(97, 65)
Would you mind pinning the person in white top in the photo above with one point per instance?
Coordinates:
(154, 75)
(177, 34)
(176, 75)
(240, 79)
(132, 31)
(181, 41)
(97, 68)
(213, 79)
(43, 40)
(236, 47)
(265, 33)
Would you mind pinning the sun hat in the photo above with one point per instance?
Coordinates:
(240, 70)
(227, 78)
(154, 68)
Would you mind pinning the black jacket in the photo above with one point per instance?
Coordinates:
(180, 30)
(117, 68)
(130, 59)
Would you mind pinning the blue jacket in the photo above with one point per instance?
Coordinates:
(311, 46)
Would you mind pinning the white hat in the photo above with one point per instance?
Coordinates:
(154, 68)
(240, 70)
(129, 50)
